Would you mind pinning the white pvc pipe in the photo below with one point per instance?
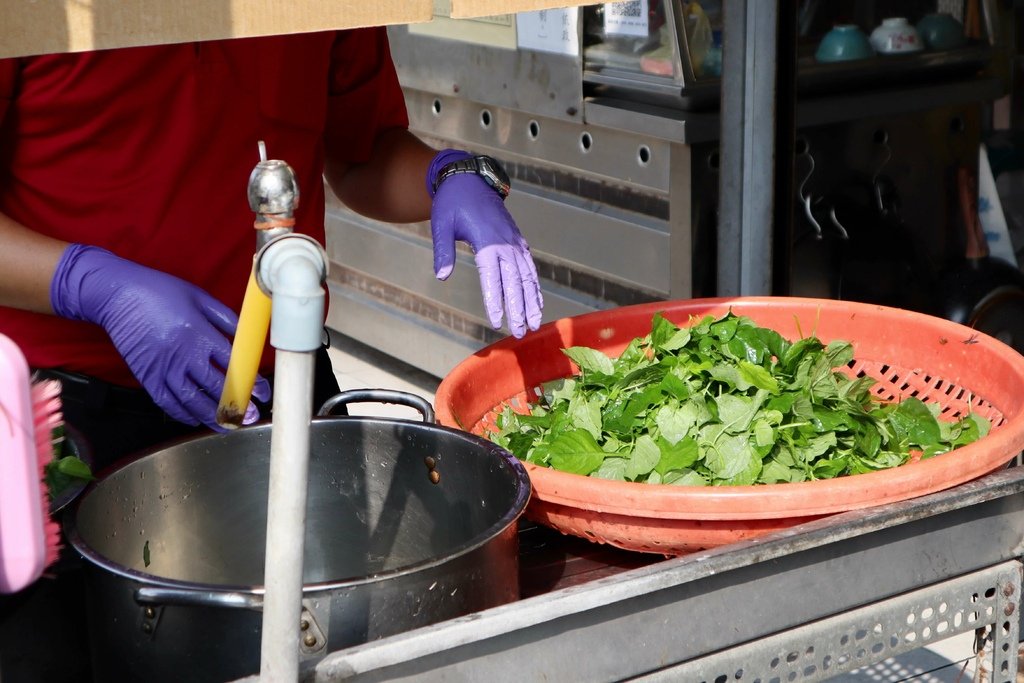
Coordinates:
(286, 521)
(292, 269)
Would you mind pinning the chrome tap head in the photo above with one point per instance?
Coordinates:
(273, 189)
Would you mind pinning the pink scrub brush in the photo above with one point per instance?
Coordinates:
(29, 412)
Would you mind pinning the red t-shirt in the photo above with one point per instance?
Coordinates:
(147, 152)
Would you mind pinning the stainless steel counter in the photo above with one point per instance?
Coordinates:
(804, 604)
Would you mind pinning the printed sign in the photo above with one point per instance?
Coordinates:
(626, 18)
(549, 30)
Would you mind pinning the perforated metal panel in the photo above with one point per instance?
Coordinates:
(870, 634)
(784, 593)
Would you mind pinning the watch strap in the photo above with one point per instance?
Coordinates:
(440, 160)
(470, 165)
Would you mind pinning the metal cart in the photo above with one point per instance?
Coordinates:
(805, 604)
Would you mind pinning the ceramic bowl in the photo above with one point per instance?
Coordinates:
(941, 31)
(895, 35)
(843, 43)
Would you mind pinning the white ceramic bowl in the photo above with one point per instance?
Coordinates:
(895, 35)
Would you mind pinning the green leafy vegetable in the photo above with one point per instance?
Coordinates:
(64, 469)
(723, 402)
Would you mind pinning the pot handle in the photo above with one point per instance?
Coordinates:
(379, 396)
(197, 598)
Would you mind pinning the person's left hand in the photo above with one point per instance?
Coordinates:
(465, 208)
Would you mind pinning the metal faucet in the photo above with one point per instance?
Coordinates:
(286, 294)
(273, 194)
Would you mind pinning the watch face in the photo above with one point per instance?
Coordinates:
(495, 175)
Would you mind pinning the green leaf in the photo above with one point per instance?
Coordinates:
(783, 403)
(795, 354)
(684, 478)
(677, 456)
(775, 343)
(576, 452)
(621, 417)
(732, 457)
(634, 355)
(675, 420)
(825, 420)
(839, 353)
(519, 444)
(827, 468)
(666, 336)
(914, 423)
(640, 378)
(764, 433)
(62, 472)
(737, 412)
(590, 360)
(611, 468)
(774, 472)
(675, 386)
(585, 413)
(818, 446)
(645, 456)
(74, 467)
(742, 465)
(868, 439)
(747, 345)
(857, 391)
(730, 375)
(562, 390)
(759, 377)
(725, 328)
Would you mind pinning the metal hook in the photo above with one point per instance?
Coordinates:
(806, 200)
(881, 138)
(839, 226)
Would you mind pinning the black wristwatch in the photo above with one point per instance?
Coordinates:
(486, 167)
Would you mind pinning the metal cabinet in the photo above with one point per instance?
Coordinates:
(616, 171)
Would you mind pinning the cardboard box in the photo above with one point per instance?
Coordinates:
(464, 9)
(31, 27)
(493, 30)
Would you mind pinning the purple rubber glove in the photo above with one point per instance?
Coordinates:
(465, 208)
(173, 335)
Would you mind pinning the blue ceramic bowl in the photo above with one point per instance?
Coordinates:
(941, 31)
(843, 43)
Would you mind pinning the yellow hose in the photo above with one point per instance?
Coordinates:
(246, 351)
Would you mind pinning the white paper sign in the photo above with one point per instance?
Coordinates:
(990, 212)
(549, 30)
(626, 18)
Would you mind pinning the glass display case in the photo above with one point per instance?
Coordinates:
(669, 52)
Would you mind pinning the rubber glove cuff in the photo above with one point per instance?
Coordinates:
(440, 160)
(67, 280)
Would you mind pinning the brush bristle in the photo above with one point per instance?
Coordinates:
(48, 416)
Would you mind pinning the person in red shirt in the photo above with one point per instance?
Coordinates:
(126, 230)
(127, 235)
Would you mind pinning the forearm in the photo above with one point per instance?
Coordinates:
(391, 187)
(27, 262)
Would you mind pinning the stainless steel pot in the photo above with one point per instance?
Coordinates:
(408, 524)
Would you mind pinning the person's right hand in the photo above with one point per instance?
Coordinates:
(173, 335)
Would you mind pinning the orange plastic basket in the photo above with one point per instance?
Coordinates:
(910, 354)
